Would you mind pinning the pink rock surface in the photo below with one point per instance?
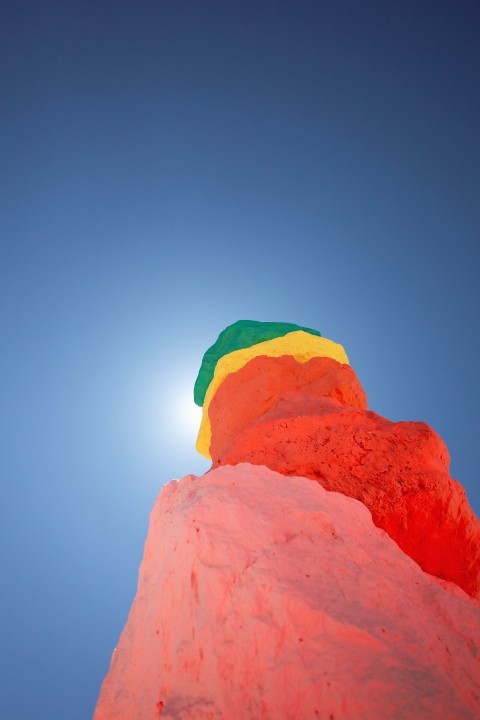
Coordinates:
(265, 596)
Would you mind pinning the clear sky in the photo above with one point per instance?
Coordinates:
(168, 167)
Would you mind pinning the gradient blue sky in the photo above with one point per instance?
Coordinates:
(168, 167)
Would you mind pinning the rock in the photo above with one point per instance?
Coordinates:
(264, 596)
(254, 390)
(242, 334)
(300, 345)
(333, 588)
(398, 470)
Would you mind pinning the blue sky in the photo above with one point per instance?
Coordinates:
(169, 167)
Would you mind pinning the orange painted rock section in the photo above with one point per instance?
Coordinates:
(398, 470)
(254, 390)
(265, 597)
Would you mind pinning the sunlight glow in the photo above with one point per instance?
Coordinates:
(187, 415)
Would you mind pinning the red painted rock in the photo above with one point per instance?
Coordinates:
(398, 470)
(262, 596)
(254, 390)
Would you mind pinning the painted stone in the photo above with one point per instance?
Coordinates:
(300, 345)
(255, 389)
(327, 566)
(398, 470)
(242, 334)
(262, 597)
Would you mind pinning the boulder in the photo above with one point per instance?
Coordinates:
(255, 389)
(239, 335)
(300, 345)
(262, 596)
(399, 471)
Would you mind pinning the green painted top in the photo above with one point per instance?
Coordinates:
(242, 334)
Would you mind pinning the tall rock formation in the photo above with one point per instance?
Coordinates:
(327, 566)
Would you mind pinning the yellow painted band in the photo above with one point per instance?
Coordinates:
(299, 344)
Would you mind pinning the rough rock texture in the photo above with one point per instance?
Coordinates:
(398, 470)
(254, 390)
(301, 345)
(242, 334)
(262, 596)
